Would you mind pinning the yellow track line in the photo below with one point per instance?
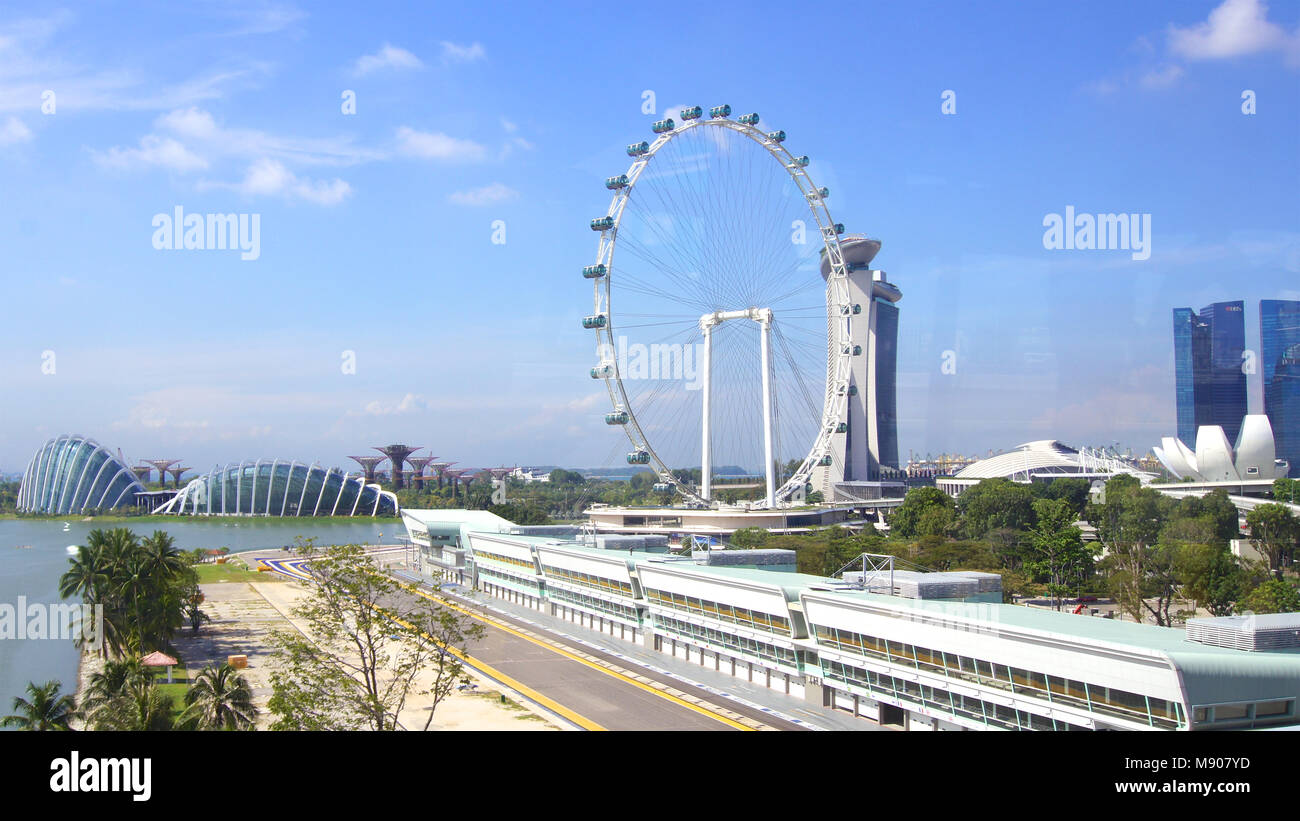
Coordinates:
(561, 651)
(582, 721)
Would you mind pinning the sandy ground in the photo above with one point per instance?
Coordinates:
(244, 614)
(481, 709)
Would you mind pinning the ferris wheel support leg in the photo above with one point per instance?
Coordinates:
(766, 326)
(706, 450)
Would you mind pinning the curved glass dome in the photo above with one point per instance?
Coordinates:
(276, 488)
(74, 474)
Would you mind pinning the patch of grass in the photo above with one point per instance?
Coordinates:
(177, 689)
(212, 573)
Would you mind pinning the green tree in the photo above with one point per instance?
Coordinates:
(993, 504)
(749, 537)
(1273, 596)
(123, 696)
(907, 519)
(219, 699)
(44, 709)
(1274, 528)
(370, 639)
(1286, 490)
(1211, 576)
(1128, 519)
(1056, 548)
(1071, 490)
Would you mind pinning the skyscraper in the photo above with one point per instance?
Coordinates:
(1209, 381)
(1279, 335)
(868, 439)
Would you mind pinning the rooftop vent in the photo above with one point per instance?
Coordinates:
(1275, 631)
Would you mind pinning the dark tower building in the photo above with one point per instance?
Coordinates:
(1279, 335)
(368, 463)
(1209, 381)
(397, 455)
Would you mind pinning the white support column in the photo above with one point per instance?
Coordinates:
(765, 332)
(706, 454)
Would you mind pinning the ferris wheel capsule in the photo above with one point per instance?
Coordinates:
(663, 126)
(692, 113)
(637, 149)
(819, 194)
(662, 487)
(602, 371)
(719, 111)
(824, 461)
(638, 457)
(618, 417)
(801, 162)
(776, 136)
(615, 183)
(594, 321)
(593, 271)
(602, 223)
(748, 119)
(842, 427)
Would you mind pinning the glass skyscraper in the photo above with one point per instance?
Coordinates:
(1209, 381)
(1279, 335)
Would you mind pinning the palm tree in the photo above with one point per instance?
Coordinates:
(122, 696)
(162, 556)
(220, 699)
(87, 576)
(47, 710)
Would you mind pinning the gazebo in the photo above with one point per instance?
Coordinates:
(160, 659)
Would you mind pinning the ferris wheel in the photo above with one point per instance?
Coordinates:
(722, 309)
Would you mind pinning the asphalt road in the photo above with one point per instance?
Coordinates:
(573, 679)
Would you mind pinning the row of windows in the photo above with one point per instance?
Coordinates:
(724, 612)
(730, 641)
(527, 564)
(592, 603)
(493, 574)
(1120, 703)
(588, 580)
(994, 715)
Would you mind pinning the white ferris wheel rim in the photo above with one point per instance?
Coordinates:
(838, 350)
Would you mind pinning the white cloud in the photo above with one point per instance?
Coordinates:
(437, 146)
(246, 143)
(263, 19)
(14, 130)
(189, 122)
(32, 61)
(268, 177)
(487, 195)
(453, 53)
(409, 403)
(1162, 77)
(163, 152)
(1235, 28)
(389, 56)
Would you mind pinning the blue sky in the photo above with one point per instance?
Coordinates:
(376, 227)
